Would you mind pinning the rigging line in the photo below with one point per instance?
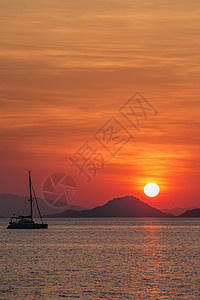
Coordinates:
(37, 203)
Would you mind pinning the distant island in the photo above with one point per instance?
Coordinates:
(11, 203)
(194, 213)
(127, 206)
(176, 211)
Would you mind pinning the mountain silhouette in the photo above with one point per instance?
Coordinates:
(176, 211)
(127, 206)
(194, 213)
(11, 203)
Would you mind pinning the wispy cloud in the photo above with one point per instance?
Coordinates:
(67, 66)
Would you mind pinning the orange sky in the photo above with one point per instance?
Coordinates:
(66, 67)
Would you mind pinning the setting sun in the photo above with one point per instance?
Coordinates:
(151, 189)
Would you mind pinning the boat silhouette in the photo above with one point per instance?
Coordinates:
(27, 222)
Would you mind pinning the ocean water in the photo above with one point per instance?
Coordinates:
(103, 258)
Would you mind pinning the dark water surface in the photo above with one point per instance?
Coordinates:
(102, 259)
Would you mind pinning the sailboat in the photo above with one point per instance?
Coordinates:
(27, 222)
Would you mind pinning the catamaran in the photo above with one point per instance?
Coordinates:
(27, 222)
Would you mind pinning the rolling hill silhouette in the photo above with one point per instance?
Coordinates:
(127, 206)
(194, 213)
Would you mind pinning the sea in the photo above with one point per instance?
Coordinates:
(102, 258)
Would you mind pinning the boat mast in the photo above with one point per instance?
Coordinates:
(37, 206)
(31, 198)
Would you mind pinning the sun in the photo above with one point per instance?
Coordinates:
(151, 189)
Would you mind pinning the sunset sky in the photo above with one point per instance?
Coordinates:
(67, 67)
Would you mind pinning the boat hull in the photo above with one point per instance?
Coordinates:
(27, 226)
